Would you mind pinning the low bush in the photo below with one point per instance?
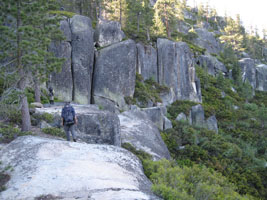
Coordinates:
(260, 98)
(239, 150)
(186, 183)
(180, 106)
(30, 95)
(4, 178)
(130, 100)
(147, 91)
(139, 153)
(10, 133)
(44, 116)
(10, 113)
(55, 132)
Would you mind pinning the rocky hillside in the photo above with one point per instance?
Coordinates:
(110, 69)
(53, 169)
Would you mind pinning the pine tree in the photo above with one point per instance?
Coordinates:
(116, 10)
(167, 12)
(139, 17)
(233, 34)
(26, 30)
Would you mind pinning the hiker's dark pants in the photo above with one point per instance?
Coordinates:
(68, 129)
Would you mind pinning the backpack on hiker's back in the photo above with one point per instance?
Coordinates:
(51, 92)
(68, 115)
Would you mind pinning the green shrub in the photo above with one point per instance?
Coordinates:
(220, 152)
(43, 116)
(9, 133)
(178, 36)
(180, 106)
(145, 91)
(251, 107)
(10, 113)
(10, 97)
(191, 35)
(45, 96)
(4, 178)
(259, 98)
(55, 132)
(130, 100)
(172, 182)
(196, 49)
(30, 95)
(190, 21)
(139, 153)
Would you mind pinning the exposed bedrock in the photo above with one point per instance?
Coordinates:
(177, 71)
(114, 74)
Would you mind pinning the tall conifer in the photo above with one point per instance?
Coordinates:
(26, 30)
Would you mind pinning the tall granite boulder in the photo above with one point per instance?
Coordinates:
(94, 126)
(167, 123)
(213, 65)
(196, 116)
(62, 82)
(147, 61)
(211, 123)
(261, 77)
(108, 32)
(138, 130)
(82, 57)
(207, 41)
(156, 115)
(114, 74)
(45, 168)
(168, 97)
(248, 71)
(177, 71)
(181, 117)
(75, 80)
(65, 28)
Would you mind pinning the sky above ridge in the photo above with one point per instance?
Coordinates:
(252, 12)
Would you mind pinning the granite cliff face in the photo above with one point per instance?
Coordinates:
(114, 74)
(177, 71)
(109, 76)
(75, 80)
(62, 82)
(255, 74)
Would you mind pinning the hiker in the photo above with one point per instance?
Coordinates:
(69, 119)
(51, 95)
